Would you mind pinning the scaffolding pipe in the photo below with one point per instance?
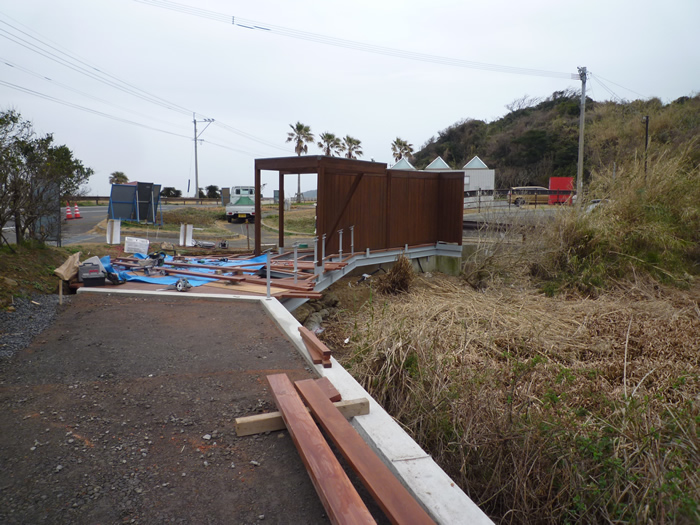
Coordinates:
(352, 240)
(268, 274)
(296, 244)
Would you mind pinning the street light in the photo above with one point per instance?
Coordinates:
(196, 137)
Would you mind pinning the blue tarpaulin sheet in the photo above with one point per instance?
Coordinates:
(172, 279)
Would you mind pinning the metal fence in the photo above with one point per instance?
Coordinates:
(480, 199)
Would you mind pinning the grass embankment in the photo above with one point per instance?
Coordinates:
(576, 405)
(210, 219)
(297, 220)
(545, 410)
(28, 269)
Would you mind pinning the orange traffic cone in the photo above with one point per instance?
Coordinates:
(69, 215)
(77, 212)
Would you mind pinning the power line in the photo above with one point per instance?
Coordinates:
(74, 63)
(8, 63)
(623, 87)
(606, 88)
(348, 44)
(83, 68)
(113, 117)
(83, 108)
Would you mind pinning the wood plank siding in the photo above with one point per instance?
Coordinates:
(388, 208)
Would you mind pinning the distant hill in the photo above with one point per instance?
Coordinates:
(309, 195)
(538, 138)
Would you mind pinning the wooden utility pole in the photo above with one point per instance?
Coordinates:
(646, 141)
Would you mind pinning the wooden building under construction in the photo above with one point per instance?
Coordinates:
(386, 208)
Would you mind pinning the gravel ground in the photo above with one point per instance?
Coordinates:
(122, 409)
(26, 319)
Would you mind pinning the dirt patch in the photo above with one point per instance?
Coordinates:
(123, 412)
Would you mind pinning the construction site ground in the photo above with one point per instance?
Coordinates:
(123, 412)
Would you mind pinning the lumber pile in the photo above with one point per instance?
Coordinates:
(241, 274)
(340, 499)
(320, 353)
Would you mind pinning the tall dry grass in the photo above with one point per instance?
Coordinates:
(579, 405)
(545, 410)
(648, 227)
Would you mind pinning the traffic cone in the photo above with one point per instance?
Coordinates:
(69, 215)
(77, 212)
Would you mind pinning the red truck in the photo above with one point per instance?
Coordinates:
(566, 187)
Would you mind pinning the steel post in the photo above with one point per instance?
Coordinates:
(268, 274)
(352, 240)
(296, 245)
(340, 240)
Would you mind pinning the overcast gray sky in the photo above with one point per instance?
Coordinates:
(236, 63)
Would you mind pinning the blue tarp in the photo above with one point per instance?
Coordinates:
(172, 279)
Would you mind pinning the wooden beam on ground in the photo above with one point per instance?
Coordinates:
(287, 283)
(317, 350)
(340, 499)
(328, 389)
(272, 421)
(213, 276)
(393, 498)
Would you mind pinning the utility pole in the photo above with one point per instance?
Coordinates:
(196, 137)
(646, 141)
(582, 119)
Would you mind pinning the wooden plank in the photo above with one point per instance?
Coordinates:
(340, 499)
(396, 502)
(272, 421)
(250, 289)
(311, 340)
(328, 389)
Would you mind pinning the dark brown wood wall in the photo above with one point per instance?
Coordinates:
(390, 210)
(365, 210)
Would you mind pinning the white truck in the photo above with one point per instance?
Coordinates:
(241, 207)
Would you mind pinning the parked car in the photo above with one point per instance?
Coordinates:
(593, 204)
(521, 195)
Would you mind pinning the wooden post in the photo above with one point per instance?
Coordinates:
(258, 212)
(281, 210)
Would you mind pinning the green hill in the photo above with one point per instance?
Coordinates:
(538, 138)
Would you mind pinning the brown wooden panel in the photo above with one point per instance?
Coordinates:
(330, 391)
(393, 498)
(320, 353)
(340, 499)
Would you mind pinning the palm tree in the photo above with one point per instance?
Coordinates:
(352, 146)
(118, 177)
(300, 135)
(401, 148)
(329, 143)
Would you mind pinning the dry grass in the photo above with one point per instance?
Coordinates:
(545, 410)
(398, 279)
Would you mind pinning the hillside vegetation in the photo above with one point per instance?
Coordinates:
(538, 139)
(557, 379)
